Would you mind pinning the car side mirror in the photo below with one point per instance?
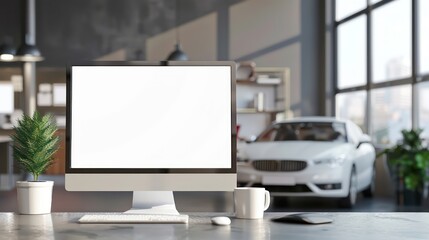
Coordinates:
(364, 138)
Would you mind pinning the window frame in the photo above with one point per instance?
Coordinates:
(414, 79)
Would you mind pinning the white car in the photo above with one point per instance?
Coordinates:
(311, 156)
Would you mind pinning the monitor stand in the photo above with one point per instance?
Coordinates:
(153, 202)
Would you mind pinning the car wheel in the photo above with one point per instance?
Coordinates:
(350, 200)
(370, 190)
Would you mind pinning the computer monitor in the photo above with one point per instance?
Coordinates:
(151, 128)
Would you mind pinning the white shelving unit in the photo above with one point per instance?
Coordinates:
(274, 85)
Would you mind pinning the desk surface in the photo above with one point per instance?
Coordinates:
(345, 226)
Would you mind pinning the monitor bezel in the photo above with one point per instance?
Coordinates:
(232, 169)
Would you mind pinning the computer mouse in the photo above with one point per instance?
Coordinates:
(221, 221)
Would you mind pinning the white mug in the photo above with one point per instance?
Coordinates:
(250, 203)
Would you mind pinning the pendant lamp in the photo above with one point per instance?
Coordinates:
(177, 54)
(28, 52)
(7, 52)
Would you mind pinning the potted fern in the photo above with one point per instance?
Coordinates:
(34, 146)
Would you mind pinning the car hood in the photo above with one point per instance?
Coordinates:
(295, 150)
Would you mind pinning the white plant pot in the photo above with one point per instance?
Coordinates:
(34, 197)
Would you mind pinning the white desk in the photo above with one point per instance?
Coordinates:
(348, 226)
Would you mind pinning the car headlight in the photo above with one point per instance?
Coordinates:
(333, 161)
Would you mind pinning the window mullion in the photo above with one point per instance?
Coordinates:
(368, 68)
(334, 56)
(414, 63)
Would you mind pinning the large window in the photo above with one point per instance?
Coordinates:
(423, 89)
(382, 64)
(351, 53)
(391, 41)
(424, 36)
(345, 8)
(352, 106)
(390, 112)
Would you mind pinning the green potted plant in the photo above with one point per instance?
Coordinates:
(409, 162)
(35, 143)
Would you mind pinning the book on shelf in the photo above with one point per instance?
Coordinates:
(246, 110)
(265, 79)
(254, 110)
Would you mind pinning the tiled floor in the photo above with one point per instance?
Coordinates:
(192, 202)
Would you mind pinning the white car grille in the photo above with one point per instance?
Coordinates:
(279, 165)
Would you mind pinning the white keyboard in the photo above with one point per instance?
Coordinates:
(133, 218)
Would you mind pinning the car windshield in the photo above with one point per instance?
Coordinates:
(305, 131)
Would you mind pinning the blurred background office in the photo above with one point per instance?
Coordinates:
(363, 60)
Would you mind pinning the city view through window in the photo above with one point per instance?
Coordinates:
(375, 82)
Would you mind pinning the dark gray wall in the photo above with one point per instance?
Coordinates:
(84, 30)
(312, 61)
(10, 21)
(69, 31)
(306, 63)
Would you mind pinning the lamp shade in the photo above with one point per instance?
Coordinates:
(177, 55)
(28, 53)
(7, 52)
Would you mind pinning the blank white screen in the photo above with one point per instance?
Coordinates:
(151, 117)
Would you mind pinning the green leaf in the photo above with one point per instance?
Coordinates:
(35, 143)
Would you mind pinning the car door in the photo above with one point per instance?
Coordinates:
(364, 157)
